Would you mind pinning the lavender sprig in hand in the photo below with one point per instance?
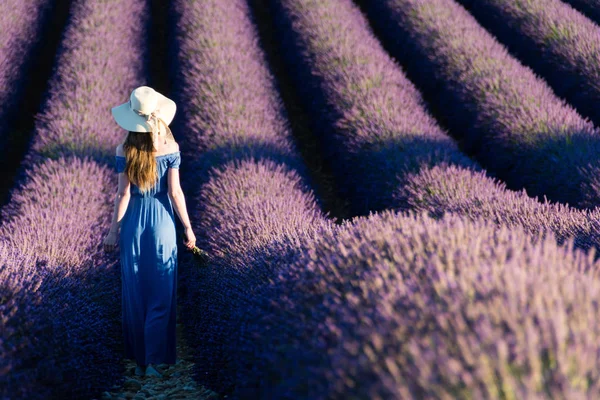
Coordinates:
(198, 253)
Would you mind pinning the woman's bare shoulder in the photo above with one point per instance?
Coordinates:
(120, 151)
(171, 147)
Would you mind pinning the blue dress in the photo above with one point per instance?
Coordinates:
(148, 252)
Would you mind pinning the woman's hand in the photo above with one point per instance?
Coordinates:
(110, 241)
(190, 241)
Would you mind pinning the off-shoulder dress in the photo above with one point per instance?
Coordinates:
(148, 255)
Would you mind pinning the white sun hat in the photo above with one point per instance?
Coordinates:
(144, 105)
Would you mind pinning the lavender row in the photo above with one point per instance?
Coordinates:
(76, 119)
(64, 343)
(236, 111)
(251, 200)
(241, 206)
(258, 215)
(417, 149)
(285, 333)
(558, 42)
(19, 281)
(58, 215)
(504, 115)
(590, 7)
(396, 306)
(22, 25)
(453, 189)
(373, 121)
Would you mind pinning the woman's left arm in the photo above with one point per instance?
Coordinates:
(121, 202)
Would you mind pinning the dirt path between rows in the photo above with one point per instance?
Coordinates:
(177, 382)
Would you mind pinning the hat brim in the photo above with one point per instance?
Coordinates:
(129, 120)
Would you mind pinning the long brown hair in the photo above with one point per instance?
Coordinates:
(140, 165)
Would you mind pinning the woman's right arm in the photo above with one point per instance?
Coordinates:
(178, 200)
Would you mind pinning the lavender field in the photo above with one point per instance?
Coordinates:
(398, 198)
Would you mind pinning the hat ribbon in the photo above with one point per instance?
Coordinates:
(152, 115)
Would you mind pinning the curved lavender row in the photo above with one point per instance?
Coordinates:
(61, 209)
(21, 301)
(252, 203)
(229, 98)
(52, 329)
(99, 66)
(317, 37)
(509, 119)
(255, 216)
(371, 118)
(20, 21)
(589, 7)
(22, 25)
(558, 42)
(398, 306)
(452, 189)
(37, 214)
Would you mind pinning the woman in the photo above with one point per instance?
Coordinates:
(148, 169)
